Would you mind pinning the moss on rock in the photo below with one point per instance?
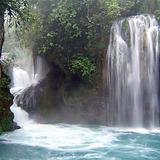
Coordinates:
(6, 99)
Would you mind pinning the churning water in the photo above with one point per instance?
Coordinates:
(77, 142)
(133, 75)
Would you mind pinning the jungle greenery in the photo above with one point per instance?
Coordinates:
(6, 117)
(14, 9)
(61, 30)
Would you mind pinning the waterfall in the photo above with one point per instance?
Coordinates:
(23, 77)
(20, 81)
(133, 72)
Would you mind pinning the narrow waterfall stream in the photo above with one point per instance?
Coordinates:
(133, 76)
(21, 80)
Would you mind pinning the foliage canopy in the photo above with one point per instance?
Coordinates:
(63, 29)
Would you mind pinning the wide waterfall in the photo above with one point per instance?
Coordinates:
(133, 72)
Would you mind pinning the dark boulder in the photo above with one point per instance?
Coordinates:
(58, 99)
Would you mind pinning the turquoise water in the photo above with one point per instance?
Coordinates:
(77, 142)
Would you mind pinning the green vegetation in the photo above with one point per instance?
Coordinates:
(157, 13)
(60, 30)
(4, 82)
(15, 11)
(6, 117)
(83, 68)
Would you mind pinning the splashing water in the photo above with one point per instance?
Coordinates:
(78, 142)
(21, 80)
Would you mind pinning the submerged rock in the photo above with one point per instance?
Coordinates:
(15, 126)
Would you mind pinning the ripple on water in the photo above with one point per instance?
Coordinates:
(75, 142)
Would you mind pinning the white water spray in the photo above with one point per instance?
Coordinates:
(21, 80)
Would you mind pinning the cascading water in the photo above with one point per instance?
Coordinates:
(22, 79)
(132, 72)
(27, 69)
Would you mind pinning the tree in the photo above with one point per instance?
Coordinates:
(13, 9)
(1, 27)
(63, 29)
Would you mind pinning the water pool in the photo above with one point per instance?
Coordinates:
(79, 142)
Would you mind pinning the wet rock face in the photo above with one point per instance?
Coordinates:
(1, 30)
(57, 99)
(6, 100)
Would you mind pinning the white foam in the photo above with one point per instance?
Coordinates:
(59, 137)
